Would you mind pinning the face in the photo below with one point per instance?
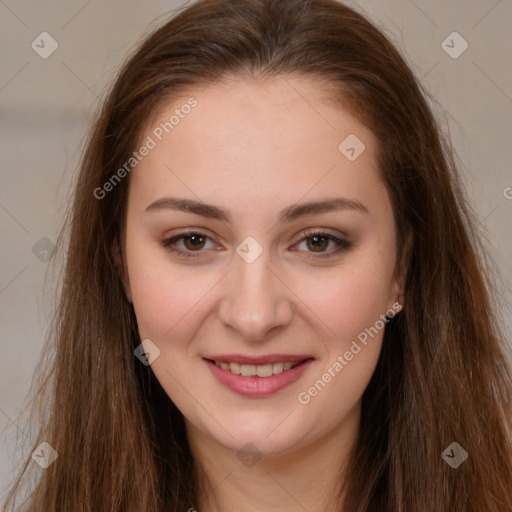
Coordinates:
(264, 277)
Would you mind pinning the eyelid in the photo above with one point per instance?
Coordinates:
(167, 243)
(322, 231)
(342, 243)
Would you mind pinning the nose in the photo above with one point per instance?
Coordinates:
(256, 300)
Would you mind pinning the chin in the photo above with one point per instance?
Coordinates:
(266, 437)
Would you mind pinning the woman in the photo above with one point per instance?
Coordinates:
(274, 297)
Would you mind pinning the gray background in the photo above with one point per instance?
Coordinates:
(46, 105)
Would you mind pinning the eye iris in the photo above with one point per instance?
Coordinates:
(316, 243)
(198, 240)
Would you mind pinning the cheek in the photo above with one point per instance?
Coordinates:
(341, 300)
(348, 299)
(168, 299)
(157, 293)
(350, 308)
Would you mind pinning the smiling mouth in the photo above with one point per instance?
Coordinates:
(264, 370)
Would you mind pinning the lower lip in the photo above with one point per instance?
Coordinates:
(258, 386)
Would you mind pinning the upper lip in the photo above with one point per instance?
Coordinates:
(259, 360)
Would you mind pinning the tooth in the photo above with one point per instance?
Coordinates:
(234, 368)
(277, 368)
(248, 370)
(264, 370)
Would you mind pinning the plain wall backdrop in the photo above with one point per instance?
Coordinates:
(47, 103)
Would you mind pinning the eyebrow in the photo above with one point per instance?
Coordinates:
(288, 214)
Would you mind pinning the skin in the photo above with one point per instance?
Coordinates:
(255, 147)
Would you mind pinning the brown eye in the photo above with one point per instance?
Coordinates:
(196, 241)
(192, 244)
(318, 242)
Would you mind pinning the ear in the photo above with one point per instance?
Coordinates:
(398, 294)
(121, 268)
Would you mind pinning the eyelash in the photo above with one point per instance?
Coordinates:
(343, 245)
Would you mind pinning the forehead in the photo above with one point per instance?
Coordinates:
(234, 108)
(265, 140)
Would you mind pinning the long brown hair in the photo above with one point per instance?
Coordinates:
(442, 376)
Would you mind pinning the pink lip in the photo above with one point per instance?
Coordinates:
(257, 361)
(257, 386)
